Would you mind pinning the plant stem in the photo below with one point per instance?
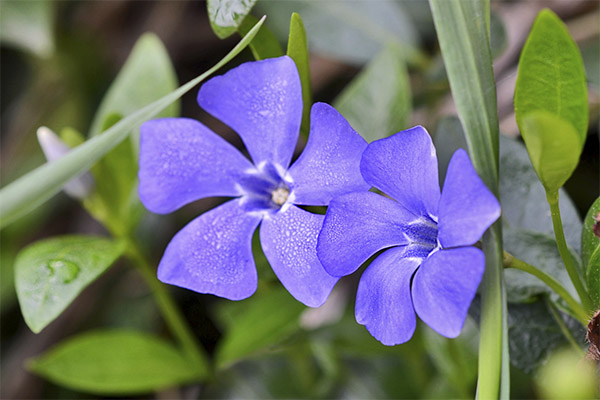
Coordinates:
(564, 252)
(565, 331)
(578, 312)
(170, 312)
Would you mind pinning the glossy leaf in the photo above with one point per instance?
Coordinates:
(49, 274)
(265, 44)
(377, 103)
(590, 251)
(298, 50)
(260, 322)
(351, 31)
(227, 15)
(28, 25)
(551, 76)
(112, 363)
(33, 189)
(554, 147)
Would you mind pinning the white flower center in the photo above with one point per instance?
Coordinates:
(280, 195)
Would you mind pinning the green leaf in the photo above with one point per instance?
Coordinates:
(554, 147)
(298, 50)
(227, 15)
(265, 44)
(590, 251)
(28, 25)
(258, 323)
(551, 76)
(377, 103)
(540, 251)
(111, 363)
(49, 274)
(33, 189)
(352, 31)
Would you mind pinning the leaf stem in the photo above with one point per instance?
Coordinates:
(564, 251)
(563, 328)
(578, 311)
(170, 312)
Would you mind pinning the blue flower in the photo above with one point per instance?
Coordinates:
(429, 266)
(182, 160)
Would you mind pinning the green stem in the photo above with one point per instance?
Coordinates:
(578, 312)
(169, 310)
(565, 331)
(564, 251)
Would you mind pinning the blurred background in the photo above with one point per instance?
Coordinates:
(58, 58)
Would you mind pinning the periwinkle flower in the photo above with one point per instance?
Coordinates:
(181, 161)
(429, 266)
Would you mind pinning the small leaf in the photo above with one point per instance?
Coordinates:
(49, 274)
(259, 322)
(298, 50)
(377, 102)
(110, 363)
(28, 25)
(265, 44)
(33, 189)
(554, 147)
(551, 76)
(227, 15)
(590, 251)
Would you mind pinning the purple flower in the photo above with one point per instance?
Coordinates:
(429, 265)
(181, 161)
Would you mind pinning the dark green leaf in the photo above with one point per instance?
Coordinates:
(352, 31)
(260, 322)
(33, 189)
(227, 15)
(540, 251)
(553, 145)
(115, 363)
(298, 50)
(590, 251)
(534, 333)
(27, 25)
(551, 76)
(377, 102)
(49, 274)
(265, 44)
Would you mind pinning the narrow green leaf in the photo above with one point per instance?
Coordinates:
(111, 363)
(260, 322)
(298, 50)
(49, 274)
(462, 28)
(28, 25)
(32, 190)
(265, 44)
(590, 251)
(554, 147)
(551, 76)
(377, 103)
(227, 15)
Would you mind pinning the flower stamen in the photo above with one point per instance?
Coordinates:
(280, 195)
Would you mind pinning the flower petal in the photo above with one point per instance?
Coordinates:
(444, 287)
(467, 207)
(213, 254)
(404, 166)
(329, 165)
(289, 241)
(383, 301)
(181, 161)
(262, 102)
(356, 226)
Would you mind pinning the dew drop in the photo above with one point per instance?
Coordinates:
(63, 270)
